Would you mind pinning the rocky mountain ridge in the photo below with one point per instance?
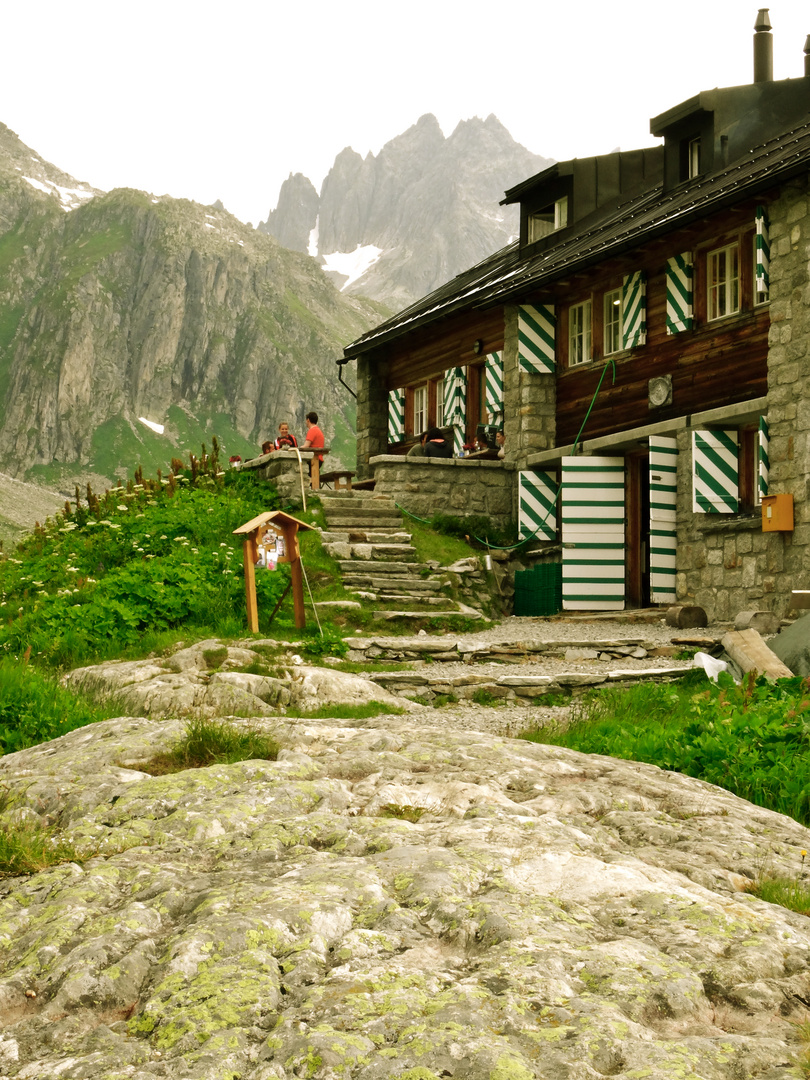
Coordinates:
(395, 225)
(133, 308)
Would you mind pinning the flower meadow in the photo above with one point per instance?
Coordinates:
(110, 573)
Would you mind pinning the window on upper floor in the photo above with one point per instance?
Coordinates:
(579, 333)
(723, 282)
(548, 220)
(420, 410)
(612, 321)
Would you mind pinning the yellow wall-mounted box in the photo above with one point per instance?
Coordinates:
(777, 513)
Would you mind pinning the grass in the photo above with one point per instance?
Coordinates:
(28, 846)
(791, 893)
(404, 813)
(751, 740)
(211, 742)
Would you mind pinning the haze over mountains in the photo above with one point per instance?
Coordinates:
(396, 225)
(124, 313)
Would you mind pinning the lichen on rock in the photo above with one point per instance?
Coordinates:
(548, 914)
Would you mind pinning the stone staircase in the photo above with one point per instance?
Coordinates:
(365, 534)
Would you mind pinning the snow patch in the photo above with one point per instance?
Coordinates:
(353, 264)
(155, 427)
(69, 197)
(208, 225)
(312, 246)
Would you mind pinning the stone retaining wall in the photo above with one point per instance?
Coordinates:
(283, 469)
(428, 486)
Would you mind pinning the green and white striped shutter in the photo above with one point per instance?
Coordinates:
(634, 310)
(680, 275)
(763, 460)
(715, 472)
(536, 334)
(663, 499)
(396, 416)
(763, 259)
(537, 504)
(592, 514)
(493, 385)
(455, 405)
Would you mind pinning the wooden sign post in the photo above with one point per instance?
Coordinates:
(254, 533)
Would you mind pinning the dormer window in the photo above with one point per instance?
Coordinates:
(548, 220)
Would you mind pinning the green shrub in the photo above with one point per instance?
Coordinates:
(34, 707)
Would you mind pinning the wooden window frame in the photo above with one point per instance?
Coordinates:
(724, 283)
(586, 334)
(606, 350)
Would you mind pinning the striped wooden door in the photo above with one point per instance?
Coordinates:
(593, 533)
(663, 499)
(455, 405)
(537, 504)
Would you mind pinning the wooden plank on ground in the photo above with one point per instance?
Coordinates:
(747, 649)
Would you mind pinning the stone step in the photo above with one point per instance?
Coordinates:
(336, 503)
(364, 536)
(389, 616)
(356, 522)
(410, 586)
(406, 569)
(371, 552)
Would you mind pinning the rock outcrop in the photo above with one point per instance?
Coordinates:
(393, 900)
(421, 211)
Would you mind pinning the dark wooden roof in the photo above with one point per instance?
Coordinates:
(504, 277)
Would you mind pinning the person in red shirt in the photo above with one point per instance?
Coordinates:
(314, 439)
(285, 440)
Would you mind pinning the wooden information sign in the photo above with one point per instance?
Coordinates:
(272, 538)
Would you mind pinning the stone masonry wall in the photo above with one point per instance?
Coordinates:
(529, 401)
(727, 564)
(427, 486)
(372, 411)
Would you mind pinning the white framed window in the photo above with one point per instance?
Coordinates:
(440, 402)
(723, 281)
(561, 212)
(579, 333)
(420, 405)
(612, 317)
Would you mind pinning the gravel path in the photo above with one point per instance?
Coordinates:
(512, 718)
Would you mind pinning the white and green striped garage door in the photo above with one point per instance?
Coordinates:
(593, 533)
(663, 499)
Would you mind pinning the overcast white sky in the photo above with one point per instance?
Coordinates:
(223, 100)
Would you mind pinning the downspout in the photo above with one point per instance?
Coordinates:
(340, 364)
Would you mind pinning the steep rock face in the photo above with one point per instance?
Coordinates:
(296, 215)
(393, 899)
(429, 203)
(131, 306)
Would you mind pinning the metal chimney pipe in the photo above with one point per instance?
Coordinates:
(763, 48)
(807, 56)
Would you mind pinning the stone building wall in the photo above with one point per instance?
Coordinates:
(529, 401)
(726, 563)
(428, 486)
(372, 411)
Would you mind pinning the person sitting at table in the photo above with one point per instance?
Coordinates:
(436, 444)
(500, 439)
(418, 448)
(285, 440)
